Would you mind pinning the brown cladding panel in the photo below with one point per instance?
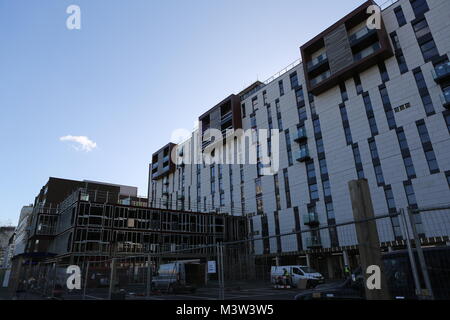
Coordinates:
(338, 49)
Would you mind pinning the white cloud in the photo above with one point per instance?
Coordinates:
(82, 143)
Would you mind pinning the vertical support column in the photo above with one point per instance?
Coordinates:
(112, 279)
(308, 260)
(420, 255)
(149, 275)
(411, 256)
(86, 280)
(367, 234)
(346, 259)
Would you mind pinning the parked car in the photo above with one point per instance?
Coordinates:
(295, 275)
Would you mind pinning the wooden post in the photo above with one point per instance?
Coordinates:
(367, 234)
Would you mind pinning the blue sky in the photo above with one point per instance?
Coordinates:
(136, 71)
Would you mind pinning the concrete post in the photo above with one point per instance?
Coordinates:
(308, 260)
(367, 234)
(346, 259)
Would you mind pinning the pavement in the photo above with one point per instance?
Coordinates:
(235, 291)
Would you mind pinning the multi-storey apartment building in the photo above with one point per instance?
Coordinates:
(363, 103)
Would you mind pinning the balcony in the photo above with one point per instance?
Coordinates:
(366, 52)
(301, 135)
(311, 219)
(320, 78)
(360, 35)
(316, 62)
(226, 117)
(302, 155)
(445, 98)
(166, 159)
(155, 165)
(313, 242)
(441, 73)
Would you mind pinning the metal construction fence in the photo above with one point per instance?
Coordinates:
(243, 269)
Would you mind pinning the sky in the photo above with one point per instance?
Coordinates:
(95, 103)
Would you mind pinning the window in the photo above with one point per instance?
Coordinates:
(447, 175)
(277, 191)
(254, 104)
(288, 147)
(373, 149)
(423, 91)
(280, 86)
(347, 131)
(311, 103)
(316, 125)
(358, 85)
(287, 189)
(302, 113)
(387, 107)
(409, 167)
(429, 50)
(348, 135)
(383, 72)
(264, 97)
(401, 62)
(423, 133)
(294, 80)
(313, 191)
(277, 107)
(411, 197)
(330, 210)
(299, 97)
(344, 94)
(367, 102)
(421, 28)
(447, 121)
(243, 110)
(310, 171)
(358, 162)
(323, 166)
(326, 188)
(402, 139)
(432, 162)
(395, 41)
(400, 16)
(379, 174)
(373, 125)
(320, 147)
(389, 197)
(419, 7)
(343, 113)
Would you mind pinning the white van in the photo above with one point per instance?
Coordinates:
(296, 274)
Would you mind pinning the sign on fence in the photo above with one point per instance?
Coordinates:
(212, 267)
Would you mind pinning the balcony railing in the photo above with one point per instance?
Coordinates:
(226, 117)
(366, 52)
(313, 242)
(441, 72)
(320, 78)
(316, 61)
(301, 135)
(361, 33)
(302, 155)
(311, 219)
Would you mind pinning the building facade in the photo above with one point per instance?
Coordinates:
(363, 103)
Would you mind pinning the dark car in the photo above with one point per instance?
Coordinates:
(348, 289)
